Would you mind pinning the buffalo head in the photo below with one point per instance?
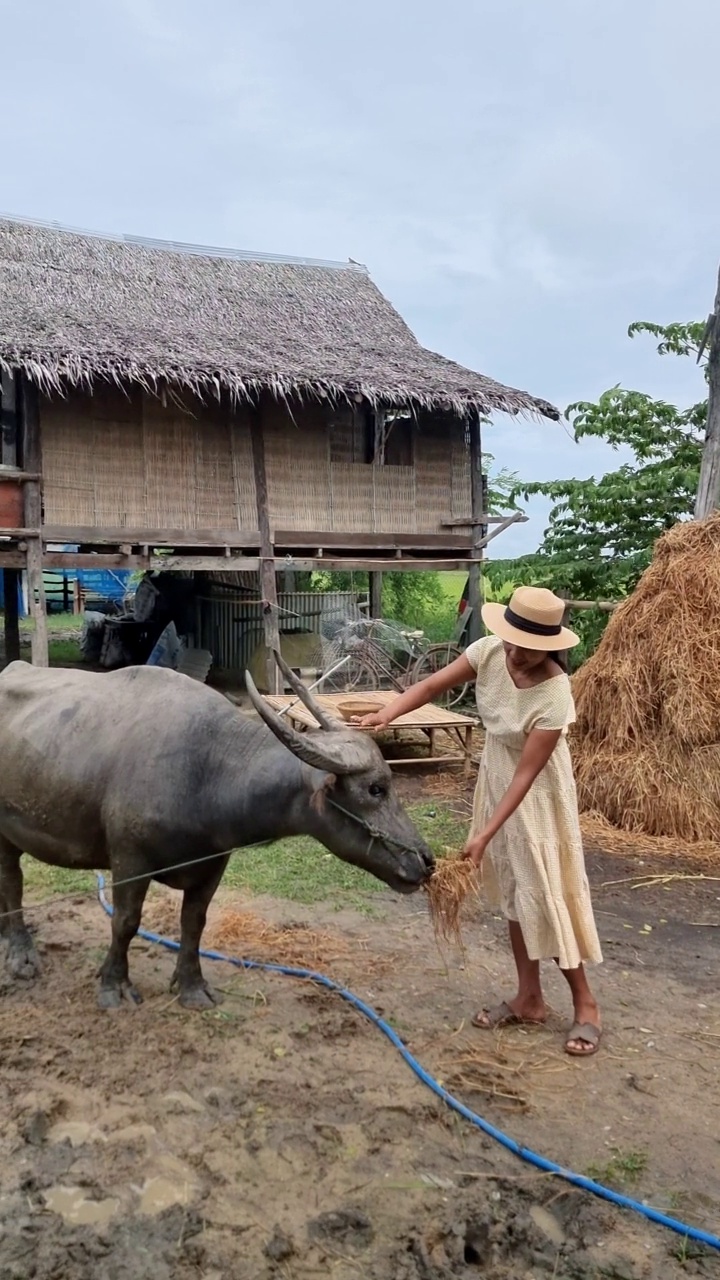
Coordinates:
(354, 809)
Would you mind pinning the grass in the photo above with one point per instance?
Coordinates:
(298, 870)
(63, 648)
(622, 1171)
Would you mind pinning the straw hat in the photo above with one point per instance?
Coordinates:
(532, 620)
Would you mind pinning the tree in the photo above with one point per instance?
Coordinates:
(601, 531)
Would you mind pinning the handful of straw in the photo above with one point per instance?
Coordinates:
(448, 888)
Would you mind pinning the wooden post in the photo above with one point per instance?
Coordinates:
(708, 494)
(268, 581)
(32, 462)
(477, 497)
(11, 587)
(376, 589)
(8, 421)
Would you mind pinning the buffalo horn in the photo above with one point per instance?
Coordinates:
(325, 718)
(330, 753)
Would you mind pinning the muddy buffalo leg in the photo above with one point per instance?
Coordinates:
(193, 991)
(115, 985)
(22, 958)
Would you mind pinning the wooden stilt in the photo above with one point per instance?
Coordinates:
(376, 588)
(32, 463)
(268, 580)
(478, 506)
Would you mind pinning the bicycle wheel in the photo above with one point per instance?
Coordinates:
(434, 659)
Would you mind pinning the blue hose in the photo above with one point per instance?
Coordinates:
(524, 1153)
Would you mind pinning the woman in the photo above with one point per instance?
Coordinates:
(525, 834)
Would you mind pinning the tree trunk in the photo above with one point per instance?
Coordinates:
(708, 494)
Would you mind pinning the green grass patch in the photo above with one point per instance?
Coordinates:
(299, 869)
(622, 1171)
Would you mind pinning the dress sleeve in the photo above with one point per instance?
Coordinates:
(556, 709)
(478, 653)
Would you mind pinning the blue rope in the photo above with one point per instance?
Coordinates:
(524, 1153)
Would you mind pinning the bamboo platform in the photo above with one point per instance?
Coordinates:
(429, 720)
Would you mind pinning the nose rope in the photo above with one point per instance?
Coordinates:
(374, 832)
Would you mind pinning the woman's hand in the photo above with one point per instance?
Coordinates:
(474, 850)
(376, 720)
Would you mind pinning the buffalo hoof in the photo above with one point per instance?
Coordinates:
(115, 997)
(22, 960)
(200, 997)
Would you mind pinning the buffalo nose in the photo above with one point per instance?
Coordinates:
(427, 860)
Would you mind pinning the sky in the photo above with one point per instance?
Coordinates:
(523, 178)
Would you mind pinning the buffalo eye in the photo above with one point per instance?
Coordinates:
(377, 790)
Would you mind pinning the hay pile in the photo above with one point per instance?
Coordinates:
(646, 746)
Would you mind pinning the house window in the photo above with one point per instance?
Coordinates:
(372, 437)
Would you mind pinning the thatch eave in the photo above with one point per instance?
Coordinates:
(77, 310)
(58, 376)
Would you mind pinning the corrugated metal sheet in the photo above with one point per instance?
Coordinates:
(231, 627)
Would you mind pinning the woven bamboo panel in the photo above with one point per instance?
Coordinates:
(215, 502)
(433, 481)
(352, 498)
(296, 458)
(69, 485)
(461, 493)
(394, 500)
(243, 472)
(170, 450)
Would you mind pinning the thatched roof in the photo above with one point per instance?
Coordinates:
(76, 308)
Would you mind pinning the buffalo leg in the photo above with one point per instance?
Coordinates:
(115, 985)
(22, 958)
(193, 991)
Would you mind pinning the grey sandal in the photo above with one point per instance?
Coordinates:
(587, 1032)
(502, 1016)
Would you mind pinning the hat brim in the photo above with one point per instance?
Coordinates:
(493, 615)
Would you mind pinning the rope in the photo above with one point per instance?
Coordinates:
(523, 1153)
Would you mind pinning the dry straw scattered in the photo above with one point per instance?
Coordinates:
(452, 884)
(646, 746)
(242, 933)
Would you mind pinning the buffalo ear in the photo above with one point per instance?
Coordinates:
(318, 799)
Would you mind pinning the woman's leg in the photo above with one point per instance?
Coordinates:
(586, 1009)
(528, 1005)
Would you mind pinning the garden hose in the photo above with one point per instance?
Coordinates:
(524, 1153)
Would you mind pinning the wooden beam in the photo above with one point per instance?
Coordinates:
(353, 564)
(31, 461)
(11, 584)
(83, 535)
(268, 580)
(284, 538)
(478, 506)
(708, 494)
(8, 420)
(481, 519)
(206, 564)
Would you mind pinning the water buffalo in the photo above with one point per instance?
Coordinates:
(143, 769)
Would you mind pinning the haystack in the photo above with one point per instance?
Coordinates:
(646, 746)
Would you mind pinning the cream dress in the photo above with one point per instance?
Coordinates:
(533, 869)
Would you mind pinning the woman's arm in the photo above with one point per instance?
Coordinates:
(455, 673)
(539, 746)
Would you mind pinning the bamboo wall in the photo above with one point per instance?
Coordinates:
(133, 462)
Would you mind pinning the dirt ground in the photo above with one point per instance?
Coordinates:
(281, 1136)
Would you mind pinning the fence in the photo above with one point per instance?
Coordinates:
(230, 624)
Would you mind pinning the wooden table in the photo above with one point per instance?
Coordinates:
(429, 720)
